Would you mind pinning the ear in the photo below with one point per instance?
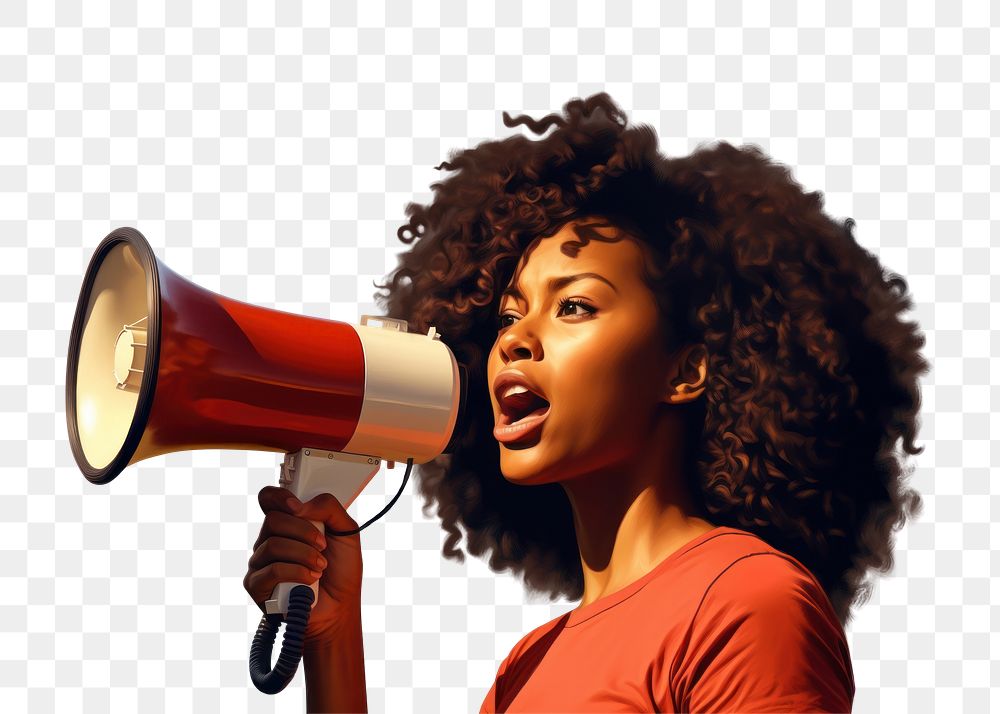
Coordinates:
(686, 377)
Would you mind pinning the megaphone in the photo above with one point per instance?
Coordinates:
(158, 364)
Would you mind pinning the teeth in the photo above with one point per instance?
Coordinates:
(514, 389)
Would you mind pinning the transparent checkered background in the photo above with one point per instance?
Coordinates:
(268, 154)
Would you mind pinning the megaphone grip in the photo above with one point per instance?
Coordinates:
(308, 473)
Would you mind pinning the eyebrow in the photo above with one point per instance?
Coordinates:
(556, 283)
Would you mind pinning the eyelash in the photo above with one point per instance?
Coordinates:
(563, 302)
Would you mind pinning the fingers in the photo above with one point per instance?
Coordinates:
(279, 519)
(326, 508)
(285, 550)
(281, 524)
(272, 498)
(260, 584)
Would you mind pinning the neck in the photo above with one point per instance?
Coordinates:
(629, 517)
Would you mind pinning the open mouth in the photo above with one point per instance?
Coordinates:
(522, 428)
(518, 407)
(509, 420)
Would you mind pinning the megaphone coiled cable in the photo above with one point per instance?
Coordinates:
(272, 680)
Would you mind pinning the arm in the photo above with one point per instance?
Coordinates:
(765, 639)
(335, 673)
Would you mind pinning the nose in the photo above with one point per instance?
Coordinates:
(519, 342)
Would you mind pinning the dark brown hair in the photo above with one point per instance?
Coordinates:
(812, 375)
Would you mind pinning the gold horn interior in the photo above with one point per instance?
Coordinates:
(104, 409)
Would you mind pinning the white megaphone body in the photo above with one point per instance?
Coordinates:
(158, 364)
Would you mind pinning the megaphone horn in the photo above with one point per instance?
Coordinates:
(158, 364)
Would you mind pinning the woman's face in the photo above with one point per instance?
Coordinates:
(598, 359)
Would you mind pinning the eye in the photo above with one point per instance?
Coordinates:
(563, 303)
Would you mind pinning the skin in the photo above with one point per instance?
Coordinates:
(614, 439)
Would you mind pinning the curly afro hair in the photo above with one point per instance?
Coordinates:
(812, 375)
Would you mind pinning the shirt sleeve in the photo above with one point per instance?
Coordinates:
(764, 639)
(489, 705)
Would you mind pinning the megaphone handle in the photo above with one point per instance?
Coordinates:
(309, 472)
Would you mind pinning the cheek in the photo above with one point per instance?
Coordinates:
(612, 384)
(595, 383)
(598, 421)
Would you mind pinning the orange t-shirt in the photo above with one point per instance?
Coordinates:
(724, 623)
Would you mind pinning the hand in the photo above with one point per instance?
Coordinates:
(291, 549)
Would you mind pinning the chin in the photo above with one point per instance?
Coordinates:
(525, 465)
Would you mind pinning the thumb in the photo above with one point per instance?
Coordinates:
(326, 508)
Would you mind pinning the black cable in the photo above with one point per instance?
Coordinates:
(409, 465)
(272, 681)
(300, 599)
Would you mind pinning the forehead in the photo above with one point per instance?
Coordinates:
(609, 251)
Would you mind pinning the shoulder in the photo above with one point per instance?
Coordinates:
(538, 639)
(518, 666)
(766, 594)
(764, 582)
(764, 623)
(739, 571)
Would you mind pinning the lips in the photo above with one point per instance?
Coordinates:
(523, 432)
(517, 405)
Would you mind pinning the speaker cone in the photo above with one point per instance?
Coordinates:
(113, 355)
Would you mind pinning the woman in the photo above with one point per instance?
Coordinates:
(688, 387)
